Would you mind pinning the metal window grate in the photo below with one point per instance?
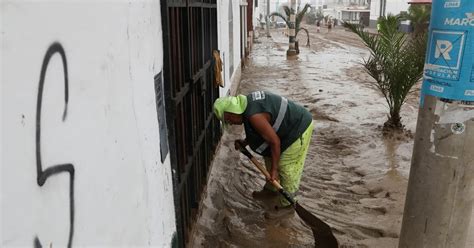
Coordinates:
(189, 37)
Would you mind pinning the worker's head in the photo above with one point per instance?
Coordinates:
(229, 109)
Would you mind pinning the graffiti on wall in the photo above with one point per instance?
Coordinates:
(44, 173)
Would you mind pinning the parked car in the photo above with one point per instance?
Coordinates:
(280, 24)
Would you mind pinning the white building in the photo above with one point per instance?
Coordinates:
(384, 7)
(230, 37)
(107, 132)
(346, 3)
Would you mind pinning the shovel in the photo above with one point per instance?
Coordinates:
(322, 232)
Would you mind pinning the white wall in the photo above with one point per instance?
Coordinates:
(394, 7)
(223, 42)
(374, 10)
(122, 192)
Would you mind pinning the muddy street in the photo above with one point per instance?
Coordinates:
(354, 178)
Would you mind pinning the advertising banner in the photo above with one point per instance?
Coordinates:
(449, 67)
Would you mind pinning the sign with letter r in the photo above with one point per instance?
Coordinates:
(446, 49)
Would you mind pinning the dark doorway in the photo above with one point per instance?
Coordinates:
(189, 37)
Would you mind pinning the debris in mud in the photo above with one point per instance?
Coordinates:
(318, 115)
(357, 189)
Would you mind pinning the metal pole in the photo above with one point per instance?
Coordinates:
(291, 49)
(440, 191)
(268, 19)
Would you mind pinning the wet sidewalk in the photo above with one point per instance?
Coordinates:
(354, 178)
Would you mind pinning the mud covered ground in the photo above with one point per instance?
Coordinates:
(355, 179)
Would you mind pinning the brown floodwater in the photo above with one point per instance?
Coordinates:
(354, 178)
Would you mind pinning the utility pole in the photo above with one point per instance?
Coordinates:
(440, 191)
(268, 18)
(292, 32)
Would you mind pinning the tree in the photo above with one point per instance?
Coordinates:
(299, 18)
(319, 15)
(313, 16)
(396, 63)
(419, 16)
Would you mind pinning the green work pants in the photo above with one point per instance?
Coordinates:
(291, 165)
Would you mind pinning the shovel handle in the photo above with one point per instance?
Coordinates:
(239, 145)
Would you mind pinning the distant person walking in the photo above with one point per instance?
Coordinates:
(329, 25)
(318, 26)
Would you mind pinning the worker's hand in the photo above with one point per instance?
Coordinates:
(274, 176)
(239, 143)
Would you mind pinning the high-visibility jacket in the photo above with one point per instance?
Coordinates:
(288, 119)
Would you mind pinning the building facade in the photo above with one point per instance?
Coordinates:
(81, 160)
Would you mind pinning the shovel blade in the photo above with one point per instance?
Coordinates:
(323, 236)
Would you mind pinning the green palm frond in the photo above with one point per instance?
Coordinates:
(287, 10)
(284, 18)
(396, 63)
(300, 15)
(298, 18)
(307, 36)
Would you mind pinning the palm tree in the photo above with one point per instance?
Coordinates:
(419, 16)
(396, 63)
(299, 18)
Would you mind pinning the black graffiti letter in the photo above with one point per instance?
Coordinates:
(42, 176)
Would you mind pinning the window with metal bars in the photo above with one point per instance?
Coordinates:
(189, 37)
